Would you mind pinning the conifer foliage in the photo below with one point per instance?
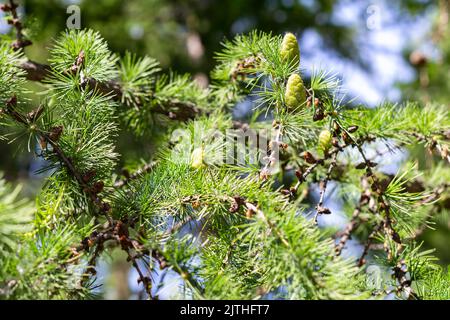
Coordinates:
(228, 230)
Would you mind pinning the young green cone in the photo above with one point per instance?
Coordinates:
(197, 157)
(325, 140)
(295, 94)
(289, 49)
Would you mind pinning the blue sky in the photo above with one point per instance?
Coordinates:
(381, 40)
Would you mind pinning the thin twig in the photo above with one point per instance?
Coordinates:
(113, 230)
(354, 221)
(301, 176)
(386, 223)
(20, 42)
(367, 246)
(272, 226)
(173, 108)
(442, 150)
(320, 209)
(435, 195)
(273, 152)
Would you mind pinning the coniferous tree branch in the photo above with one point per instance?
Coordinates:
(173, 108)
(355, 218)
(443, 151)
(21, 42)
(135, 175)
(387, 222)
(320, 209)
(35, 71)
(52, 138)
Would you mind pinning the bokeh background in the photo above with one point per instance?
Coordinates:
(381, 50)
